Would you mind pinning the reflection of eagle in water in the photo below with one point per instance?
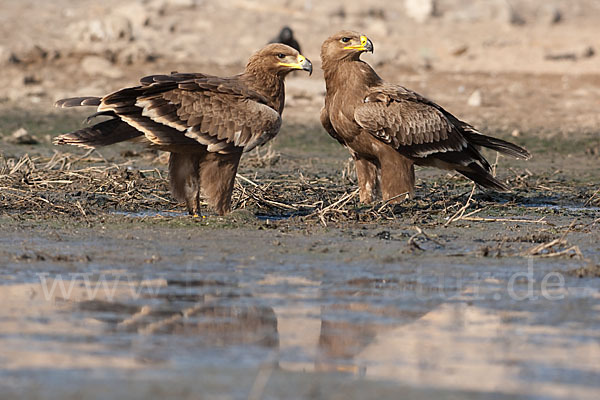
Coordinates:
(205, 122)
(286, 36)
(389, 128)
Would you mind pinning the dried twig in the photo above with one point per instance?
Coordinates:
(547, 250)
(519, 220)
(589, 201)
(459, 214)
(421, 232)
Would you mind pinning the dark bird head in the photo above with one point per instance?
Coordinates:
(345, 45)
(278, 59)
(286, 36)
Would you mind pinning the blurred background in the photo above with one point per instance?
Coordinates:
(485, 59)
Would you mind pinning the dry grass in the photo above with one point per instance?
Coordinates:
(82, 186)
(76, 185)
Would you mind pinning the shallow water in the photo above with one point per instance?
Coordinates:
(571, 208)
(150, 213)
(249, 327)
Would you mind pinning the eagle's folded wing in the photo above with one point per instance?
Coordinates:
(401, 120)
(326, 122)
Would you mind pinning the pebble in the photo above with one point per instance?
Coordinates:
(21, 136)
(475, 99)
(420, 10)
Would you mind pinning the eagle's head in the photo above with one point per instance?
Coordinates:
(278, 59)
(345, 45)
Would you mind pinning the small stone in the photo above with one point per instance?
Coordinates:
(5, 55)
(475, 99)
(112, 28)
(555, 16)
(136, 13)
(185, 3)
(515, 133)
(589, 52)
(136, 53)
(459, 50)
(550, 15)
(179, 4)
(570, 56)
(516, 19)
(21, 136)
(119, 28)
(31, 80)
(29, 55)
(420, 10)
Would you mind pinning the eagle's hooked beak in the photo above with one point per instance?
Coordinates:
(365, 45)
(305, 64)
(302, 63)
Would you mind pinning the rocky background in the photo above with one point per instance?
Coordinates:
(535, 60)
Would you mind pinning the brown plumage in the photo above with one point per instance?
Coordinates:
(206, 122)
(389, 128)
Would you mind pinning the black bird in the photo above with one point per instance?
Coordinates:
(286, 36)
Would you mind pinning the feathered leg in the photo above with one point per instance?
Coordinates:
(217, 177)
(183, 179)
(368, 179)
(397, 176)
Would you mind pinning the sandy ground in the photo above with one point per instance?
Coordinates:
(109, 290)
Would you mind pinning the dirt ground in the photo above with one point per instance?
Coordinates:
(111, 290)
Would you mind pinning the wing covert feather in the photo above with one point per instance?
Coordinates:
(408, 122)
(216, 112)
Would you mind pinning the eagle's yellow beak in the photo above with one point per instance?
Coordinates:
(302, 63)
(365, 45)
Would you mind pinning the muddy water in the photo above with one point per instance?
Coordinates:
(118, 311)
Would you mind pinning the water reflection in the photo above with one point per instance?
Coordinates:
(207, 310)
(373, 328)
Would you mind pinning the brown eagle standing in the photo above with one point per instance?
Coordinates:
(389, 128)
(205, 122)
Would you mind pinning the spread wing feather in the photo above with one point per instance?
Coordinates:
(220, 113)
(102, 134)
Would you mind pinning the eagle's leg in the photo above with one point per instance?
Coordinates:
(183, 179)
(368, 179)
(397, 176)
(217, 177)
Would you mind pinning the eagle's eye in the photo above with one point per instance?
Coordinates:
(281, 55)
(345, 39)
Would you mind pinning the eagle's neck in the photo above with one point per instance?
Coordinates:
(267, 84)
(349, 74)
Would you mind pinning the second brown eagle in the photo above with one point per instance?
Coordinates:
(388, 128)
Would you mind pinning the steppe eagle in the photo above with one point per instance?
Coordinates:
(206, 122)
(388, 128)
